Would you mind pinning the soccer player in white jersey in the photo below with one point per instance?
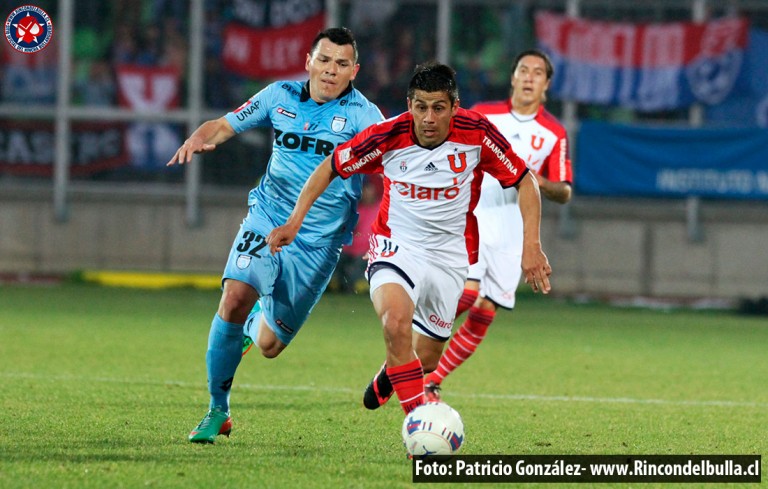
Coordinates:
(308, 120)
(432, 158)
(540, 139)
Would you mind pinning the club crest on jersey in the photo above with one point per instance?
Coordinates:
(403, 167)
(338, 123)
(28, 29)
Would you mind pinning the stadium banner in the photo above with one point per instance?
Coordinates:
(28, 79)
(270, 39)
(748, 104)
(27, 147)
(148, 88)
(653, 161)
(647, 67)
(152, 89)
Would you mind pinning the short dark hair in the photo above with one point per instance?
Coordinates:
(541, 54)
(434, 77)
(337, 35)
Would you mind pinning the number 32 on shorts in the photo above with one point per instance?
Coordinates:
(251, 243)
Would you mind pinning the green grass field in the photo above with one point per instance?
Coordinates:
(100, 387)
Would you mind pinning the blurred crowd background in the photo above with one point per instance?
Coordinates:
(135, 55)
(111, 37)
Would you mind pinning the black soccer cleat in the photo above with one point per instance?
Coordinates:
(379, 390)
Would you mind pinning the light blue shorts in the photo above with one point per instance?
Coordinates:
(289, 283)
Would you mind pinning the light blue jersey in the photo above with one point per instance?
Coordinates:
(305, 133)
(290, 283)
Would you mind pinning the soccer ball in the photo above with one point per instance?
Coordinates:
(434, 428)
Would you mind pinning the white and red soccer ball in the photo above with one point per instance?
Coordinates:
(434, 428)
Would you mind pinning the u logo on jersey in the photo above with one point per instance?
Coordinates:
(536, 143)
(460, 165)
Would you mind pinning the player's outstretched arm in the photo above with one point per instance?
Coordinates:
(205, 138)
(536, 269)
(316, 184)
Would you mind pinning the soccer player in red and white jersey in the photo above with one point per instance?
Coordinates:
(432, 158)
(538, 138)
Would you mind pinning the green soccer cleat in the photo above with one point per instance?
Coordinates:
(247, 340)
(215, 423)
(247, 344)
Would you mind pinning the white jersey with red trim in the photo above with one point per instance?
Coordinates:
(429, 194)
(541, 141)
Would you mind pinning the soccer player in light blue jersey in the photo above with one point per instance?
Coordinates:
(309, 120)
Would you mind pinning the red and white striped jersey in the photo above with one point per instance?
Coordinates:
(429, 194)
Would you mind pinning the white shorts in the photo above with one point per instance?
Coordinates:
(498, 272)
(434, 289)
(498, 267)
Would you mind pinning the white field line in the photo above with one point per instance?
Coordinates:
(345, 390)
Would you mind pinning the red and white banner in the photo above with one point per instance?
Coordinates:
(644, 66)
(152, 88)
(270, 53)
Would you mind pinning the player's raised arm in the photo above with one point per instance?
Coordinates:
(203, 139)
(316, 184)
(536, 269)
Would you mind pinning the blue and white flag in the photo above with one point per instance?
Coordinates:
(648, 67)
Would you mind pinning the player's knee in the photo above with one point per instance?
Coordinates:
(270, 352)
(394, 318)
(271, 349)
(397, 337)
(396, 323)
(236, 304)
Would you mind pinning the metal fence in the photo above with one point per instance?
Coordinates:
(61, 104)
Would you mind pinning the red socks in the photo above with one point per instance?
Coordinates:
(468, 297)
(464, 343)
(408, 382)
